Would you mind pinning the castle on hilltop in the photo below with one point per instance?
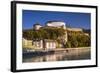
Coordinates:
(48, 43)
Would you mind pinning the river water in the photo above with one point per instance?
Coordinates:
(75, 54)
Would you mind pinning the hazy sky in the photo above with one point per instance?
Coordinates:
(76, 20)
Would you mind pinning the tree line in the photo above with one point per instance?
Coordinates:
(78, 40)
(74, 40)
(44, 33)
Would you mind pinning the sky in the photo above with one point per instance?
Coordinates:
(72, 19)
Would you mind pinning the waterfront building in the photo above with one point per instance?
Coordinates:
(45, 44)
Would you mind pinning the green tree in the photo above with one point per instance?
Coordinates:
(67, 45)
(54, 32)
(73, 40)
(83, 40)
(44, 33)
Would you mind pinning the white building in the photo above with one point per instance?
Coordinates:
(74, 29)
(56, 24)
(49, 44)
(37, 26)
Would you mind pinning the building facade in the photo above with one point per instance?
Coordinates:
(39, 44)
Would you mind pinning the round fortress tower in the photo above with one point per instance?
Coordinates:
(56, 24)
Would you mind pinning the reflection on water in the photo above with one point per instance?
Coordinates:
(75, 54)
